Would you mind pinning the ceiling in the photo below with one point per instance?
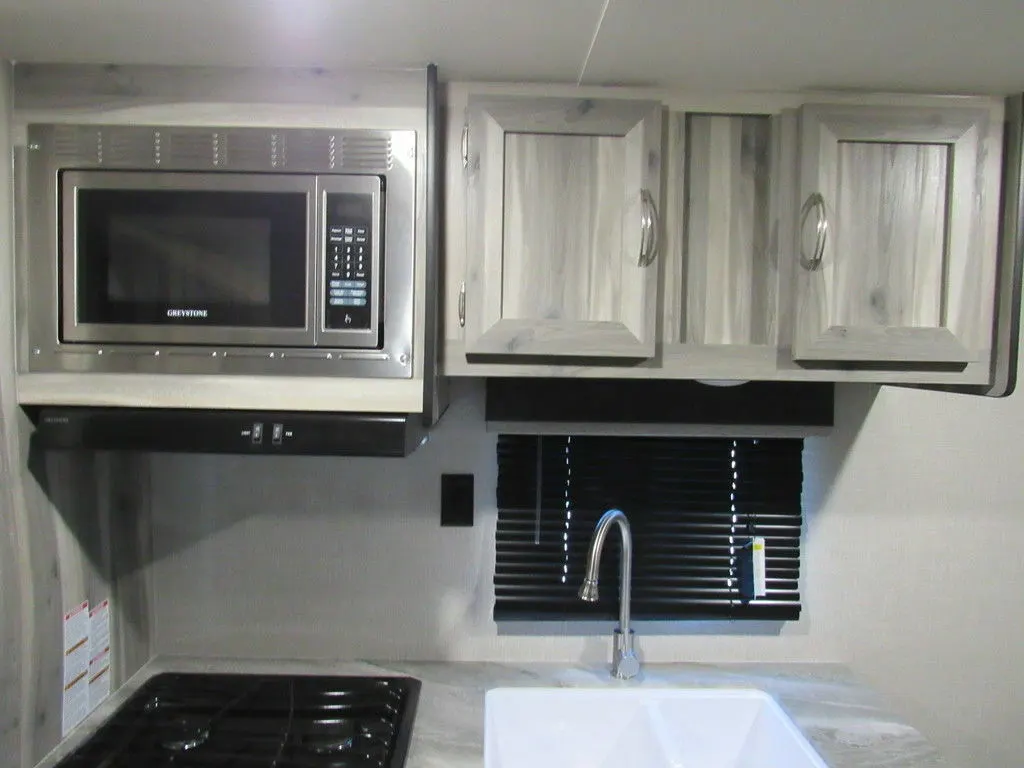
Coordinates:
(902, 45)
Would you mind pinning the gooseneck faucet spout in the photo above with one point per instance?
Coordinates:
(625, 664)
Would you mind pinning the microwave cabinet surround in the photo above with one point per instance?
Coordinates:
(220, 250)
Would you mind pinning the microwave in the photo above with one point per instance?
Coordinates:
(208, 250)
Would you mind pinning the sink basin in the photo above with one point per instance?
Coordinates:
(681, 728)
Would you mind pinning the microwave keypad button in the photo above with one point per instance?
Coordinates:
(349, 292)
(348, 302)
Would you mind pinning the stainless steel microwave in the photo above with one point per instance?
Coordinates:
(219, 250)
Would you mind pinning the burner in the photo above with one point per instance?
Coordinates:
(329, 737)
(254, 721)
(176, 732)
(183, 735)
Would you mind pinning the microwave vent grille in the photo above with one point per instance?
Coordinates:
(367, 155)
(72, 143)
(190, 149)
(226, 149)
(128, 148)
(247, 150)
(310, 151)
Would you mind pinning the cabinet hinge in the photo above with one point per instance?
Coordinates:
(462, 305)
(465, 145)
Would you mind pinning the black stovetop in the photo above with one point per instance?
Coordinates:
(250, 721)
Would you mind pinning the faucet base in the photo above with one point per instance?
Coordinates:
(625, 663)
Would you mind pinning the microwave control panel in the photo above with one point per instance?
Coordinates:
(349, 279)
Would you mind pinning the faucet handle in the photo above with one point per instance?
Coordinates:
(625, 663)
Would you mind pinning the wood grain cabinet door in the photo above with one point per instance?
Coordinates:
(562, 227)
(897, 235)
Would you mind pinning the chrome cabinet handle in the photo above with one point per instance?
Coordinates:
(650, 239)
(815, 202)
(462, 305)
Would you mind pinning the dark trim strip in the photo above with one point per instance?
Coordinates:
(435, 395)
(606, 401)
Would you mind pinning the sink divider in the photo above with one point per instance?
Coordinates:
(662, 729)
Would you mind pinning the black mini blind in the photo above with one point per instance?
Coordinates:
(691, 503)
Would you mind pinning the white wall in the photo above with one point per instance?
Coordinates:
(912, 495)
(916, 557)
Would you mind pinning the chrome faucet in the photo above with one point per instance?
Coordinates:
(625, 664)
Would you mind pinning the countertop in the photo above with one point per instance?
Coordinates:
(842, 718)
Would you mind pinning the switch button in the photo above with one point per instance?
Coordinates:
(257, 433)
(277, 434)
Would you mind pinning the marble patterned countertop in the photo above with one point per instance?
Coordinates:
(842, 718)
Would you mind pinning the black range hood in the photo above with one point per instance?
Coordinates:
(264, 433)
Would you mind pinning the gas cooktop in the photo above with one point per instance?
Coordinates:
(250, 721)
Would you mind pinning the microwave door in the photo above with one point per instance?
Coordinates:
(187, 258)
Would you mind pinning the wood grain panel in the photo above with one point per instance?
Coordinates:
(541, 337)
(676, 356)
(74, 548)
(56, 545)
(124, 508)
(912, 202)
(731, 280)
(554, 228)
(721, 361)
(554, 115)
(783, 205)
(563, 238)
(674, 275)
(15, 600)
(890, 232)
(485, 228)
(12, 602)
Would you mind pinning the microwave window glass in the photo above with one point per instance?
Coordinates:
(189, 260)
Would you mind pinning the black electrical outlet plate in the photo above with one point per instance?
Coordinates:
(456, 501)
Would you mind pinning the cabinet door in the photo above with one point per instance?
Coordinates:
(562, 227)
(897, 246)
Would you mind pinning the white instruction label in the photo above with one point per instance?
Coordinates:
(99, 654)
(760, 568)
(75, 703)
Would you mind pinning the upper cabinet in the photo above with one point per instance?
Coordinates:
(897, 235)
(742, 238)
(562, 198)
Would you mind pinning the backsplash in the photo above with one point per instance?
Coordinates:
(325, 557)
(329, 558)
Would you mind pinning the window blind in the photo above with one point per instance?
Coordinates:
(691, 503)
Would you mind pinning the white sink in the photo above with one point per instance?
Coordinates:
(610, 728)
